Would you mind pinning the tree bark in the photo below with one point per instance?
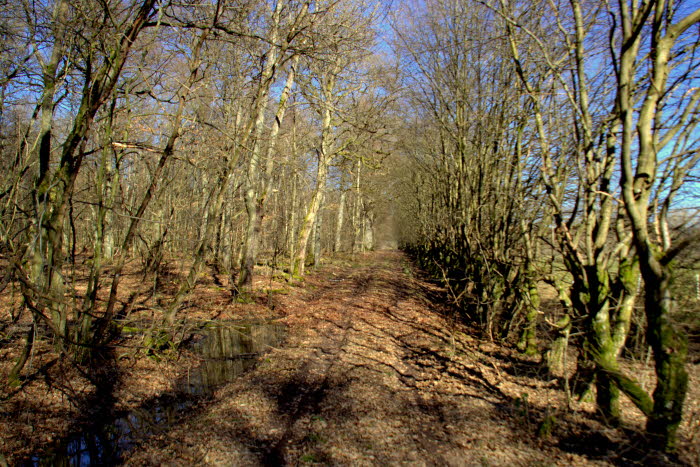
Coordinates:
(337, 243)
(323, 159)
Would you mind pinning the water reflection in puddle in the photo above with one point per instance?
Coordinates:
(228, 350)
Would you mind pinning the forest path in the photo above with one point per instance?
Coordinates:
(371, 374)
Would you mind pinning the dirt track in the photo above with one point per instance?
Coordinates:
(371, 374)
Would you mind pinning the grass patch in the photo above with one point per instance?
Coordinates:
(276, 291)
(308, 459)
(245, 298)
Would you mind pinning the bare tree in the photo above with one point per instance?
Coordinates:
(348, 34)
(658, 35)
(603, 264)
(475, 184)
(93, 60)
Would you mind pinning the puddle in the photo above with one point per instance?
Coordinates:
(228, 350)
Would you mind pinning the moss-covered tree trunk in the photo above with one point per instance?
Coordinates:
(528, 338)
(601, 346)
(643, 185)
(556, 357)
(628, 276)
(13, 377)
(670, 348)
(54, 189)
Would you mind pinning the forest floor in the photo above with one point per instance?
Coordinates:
(373, 371)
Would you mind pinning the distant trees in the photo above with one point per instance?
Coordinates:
(478, 195)
(333, 86)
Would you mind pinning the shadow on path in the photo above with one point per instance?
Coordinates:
(374, 372)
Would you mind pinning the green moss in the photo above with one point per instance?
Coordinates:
(547, 426)
(316, 438)
(308, 458)
(523, 406)
(672, 385)
(245, 298)
(14, 381)
(158, 343)
(629, 274)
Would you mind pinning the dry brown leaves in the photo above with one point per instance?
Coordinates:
(374, 373)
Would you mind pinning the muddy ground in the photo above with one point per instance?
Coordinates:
(373, 371)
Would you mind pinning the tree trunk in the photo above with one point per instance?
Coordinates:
(670, 348)
(339, 222)
(255, 202)
(528, 339)
(324, 156)
(13, 377)
(311, 213)
(367, 232)
(556, 357)
(292, 223)
(318, 225)
(82, 333)
(628, 278)
(357, 211)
